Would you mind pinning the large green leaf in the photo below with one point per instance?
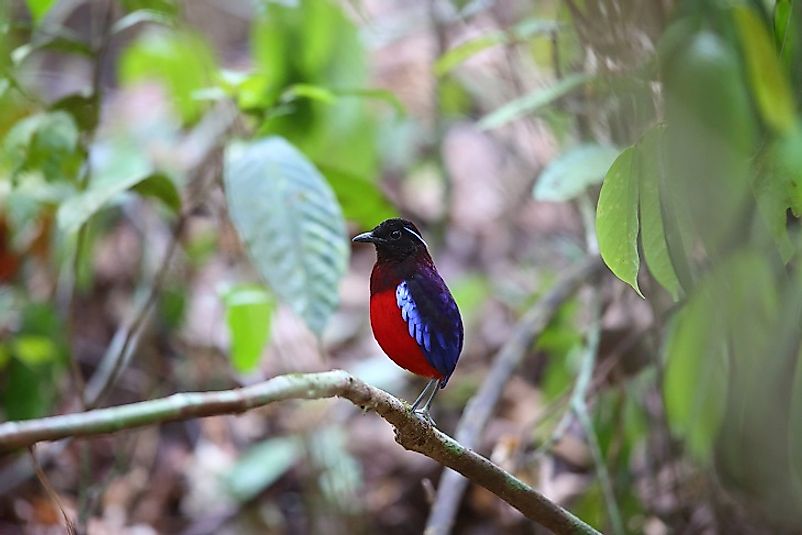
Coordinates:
(766, 76)
(695, 384)
(569, 174)
(653, 239)
(532, 102)
(617, 218)
(290, 222)
(795, 428)
(249, 310)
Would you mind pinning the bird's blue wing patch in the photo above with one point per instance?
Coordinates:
(433, 320)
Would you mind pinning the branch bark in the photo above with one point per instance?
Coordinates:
(411, 432)
(481, 407)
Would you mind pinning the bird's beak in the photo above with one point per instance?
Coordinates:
(365, 237)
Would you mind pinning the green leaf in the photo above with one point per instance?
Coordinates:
(262, 465)
(84, 109)
(114, 169)
(795, 427)
(39, 8)
(715, 381)
(166, 7)
(312, 92)
(38, 349)
(569, 174)
(161, 187)
(782, 16)
(249, 310)
(787, 159)
(617, 219)
(288, 218)
(695, 384)
(28, 392)
(361, 199)
(766, 76)
(653, 239)
(463, 51)
(141, 16)
(532, 102)
(340, 475)
(46, 142)
(62, 41)
(34, 349)
(384, 95)
(181, 61)
(470, 292)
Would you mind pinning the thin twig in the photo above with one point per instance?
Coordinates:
(95, 396)
(481, 407)
(51, 492)
(201, 148)
(80, 244)
(439, 25)
(411, 432)
(580, 409)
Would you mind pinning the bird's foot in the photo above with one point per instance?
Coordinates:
(424, 415)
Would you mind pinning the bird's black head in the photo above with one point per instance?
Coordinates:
(395, 239)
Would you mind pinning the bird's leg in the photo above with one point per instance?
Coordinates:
(426, 396)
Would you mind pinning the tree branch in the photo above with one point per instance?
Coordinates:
(410, 431)
(480, 408)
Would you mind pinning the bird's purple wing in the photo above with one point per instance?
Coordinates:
(433, 319)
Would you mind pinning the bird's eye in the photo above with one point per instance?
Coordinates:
(396, 234)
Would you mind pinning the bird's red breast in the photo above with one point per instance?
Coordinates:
(392, 334)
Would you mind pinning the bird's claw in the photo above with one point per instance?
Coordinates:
(425, 416)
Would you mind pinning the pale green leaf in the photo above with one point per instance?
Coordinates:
(569, 174)
(289, 220)
(532, 102)
(114, 169)
(46, 142)
(766, 75)
(340, 475)
(249, 309)
(617, 219)
(653, 239)
(262, 465)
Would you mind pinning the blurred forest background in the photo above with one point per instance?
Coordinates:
(179, 179)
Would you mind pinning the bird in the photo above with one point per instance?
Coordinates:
(413, 315)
